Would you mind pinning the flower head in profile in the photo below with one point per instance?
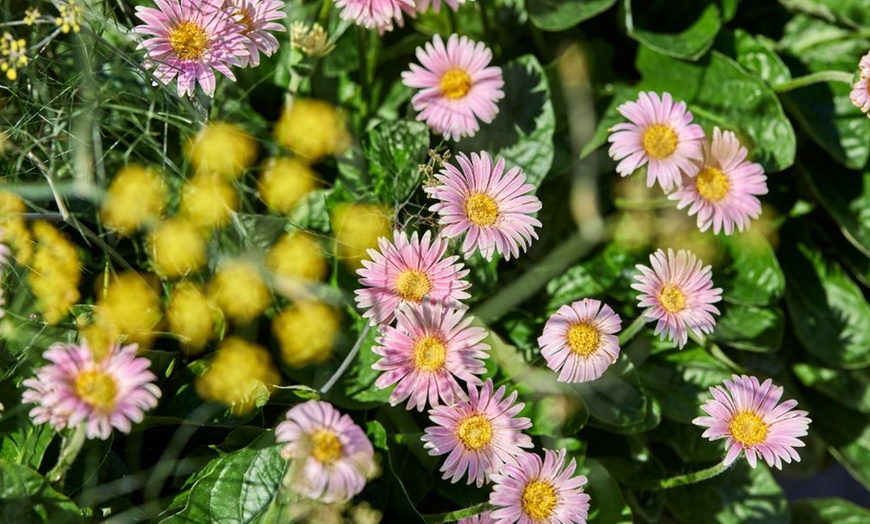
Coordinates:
(678, 293)
(332, 456)
(479, 435)
(659, 134)
(409, 270)
(492, 208)
(748, 414)
(725, 192)
(374, 14)
(75, 388)
(258, 18)
(579, 341)
(190, 40)
(429, 349)
(457, 86)
(861, 90)
(540, 491)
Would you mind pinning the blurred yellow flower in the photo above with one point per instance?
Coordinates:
(238, 289)
(54, 272)
(241, 375)
(222, 148)
(208, 201)
(99, 339)
(70, 17)
(305, 332)
(312, 129)
(357, 228)
(191, 316)
(130, 307)
(135, 198)
(15, 232)
(284, 182)
(176, 247)
(297, 257)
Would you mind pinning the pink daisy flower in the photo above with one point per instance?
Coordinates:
(428, 350)
(724, 193)
(492, 207)
(660, 134)
(423, 6)
(457, 86)
(749, 417)
(188, 39)
(677, 292)
(480, 518)
(540, 492)
(257, 18)
(407, 271)
(580, 340)
(375, 14)
(480, 434)
(332, 455)
(101, 394)
(861, 90)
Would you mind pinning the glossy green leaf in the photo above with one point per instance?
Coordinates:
(26, 445)
(843, 12)
(690, 43)
(846, 431)
(618, 400)
(554, 415)
(849, 388)
(750, 328)
(753, 276)
(608, 119)
(686, 441)
(360, 382)
(558, 15)
(394, 151)
(606, 505)
(26, 496)
(828, 511)
(756, 54)
(590, 278)
(846, 196)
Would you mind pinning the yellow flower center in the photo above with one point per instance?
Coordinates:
(481, 209)
(659, 141)
(455, 84)
(748, 428)
(325, 446)
(98, 389)
(475, 432)
(583, 339)
(245, 20)
(188, 40)
(539, 499)
(429, 354)
(672, 299)
(413, 285)
(713, 184)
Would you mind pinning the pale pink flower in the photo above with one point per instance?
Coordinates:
(457, 86)
(580, 340)
(540, 492)
(480, 518)
(423, 6)
(429, 349)
(660, 134)
(258, 19)
(480, 435)
(101, 394)
(749, 417)
(5, 252)
(725, 192)
(409, 270)
(190, 39)
(375, 14)
(332, 457)
(492, 208)
(861, 90)
(678, 293)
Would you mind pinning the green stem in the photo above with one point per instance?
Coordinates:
(323, 17)
(365, 86)
(453, 516)
(487, 25)
(69, 450)
(632, 330)
(681, 480)
(347, 360)
(714, 349)
(814, 78)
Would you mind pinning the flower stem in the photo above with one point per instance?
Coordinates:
(453, 516)
(814, 78)
(681, 480)
(632, 330)
(323, 17)
(365, 86)
(69, 450)
(347, 360)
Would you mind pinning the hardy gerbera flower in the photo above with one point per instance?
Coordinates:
(481, 434)
(332, 456)
(372, 14)
(724, 193)
(536, 491)
(457, 86)
(493, 207)
(580, 340)
(78, 389)
(660, 134)
(861, 90)
(430, 347)
(189, 39)
(748, 416)
(257, 18)
(677, 292)
(409, 270)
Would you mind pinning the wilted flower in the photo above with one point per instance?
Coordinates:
(314, 42)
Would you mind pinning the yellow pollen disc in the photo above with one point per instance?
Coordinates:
(713, 184)
(748, 428)
(245, 20)
(672, 299)
(583, 339)
(481, 209)
(98, 389)
(539, 499)
(188, 40)
(325, 446)
(429, 354)
(455, 84)
(475, 432)
(659, 141)
(413, 285)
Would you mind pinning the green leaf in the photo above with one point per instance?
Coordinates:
(846, 431)
(26, 445)
(360, 383)
(754, 276)
(843, 12)
(690, 43)
(741, 495)
(756, 54)
(617, 400)
(236, 487)
(846, 196)
(849, 388)
(26, 496)
(832, 317)
(592, 277)
(609, 118)
(687, 443)
(750, 328)
(828, 511)
(606, 505)
(558, 15)
(554, 415)
(522, 132)
(394, 151)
